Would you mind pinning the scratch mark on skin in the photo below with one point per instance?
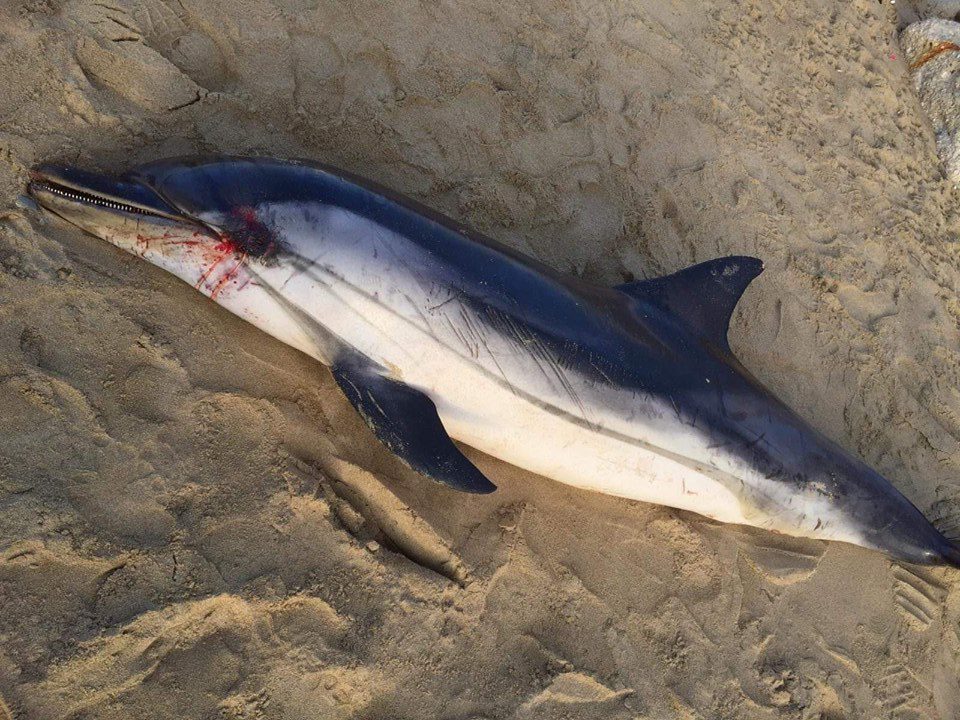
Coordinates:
(228, 276)
(459, 335)
(472, 334)
(291, 276)
(450, 299)
(600, 371)
(504, 376)
(545, 361)
(376, 404)
(423, 318)
(676, 408)
(471, 327)
(206, 273)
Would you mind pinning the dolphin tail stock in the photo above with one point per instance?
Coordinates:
(947, 540)
(951, 554)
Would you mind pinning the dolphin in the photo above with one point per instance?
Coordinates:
(435, 332)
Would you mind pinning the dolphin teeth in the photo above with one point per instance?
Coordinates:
(89, 199)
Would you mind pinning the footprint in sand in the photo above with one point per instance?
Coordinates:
(897, 692)
(919, 599)
(790, 561)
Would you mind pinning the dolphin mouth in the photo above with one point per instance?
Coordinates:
(39, 186)
(64, 183)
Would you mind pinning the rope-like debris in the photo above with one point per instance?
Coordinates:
(933, 52)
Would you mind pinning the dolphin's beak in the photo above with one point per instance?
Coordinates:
(118, 209)
(80, 186)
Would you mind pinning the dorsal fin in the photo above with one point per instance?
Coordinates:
(702, 296)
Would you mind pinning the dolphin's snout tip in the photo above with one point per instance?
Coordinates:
(46, 171)
(36, 176)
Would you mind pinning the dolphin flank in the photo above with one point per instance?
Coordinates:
(434, 332)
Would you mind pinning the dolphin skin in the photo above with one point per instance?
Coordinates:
(434, 332)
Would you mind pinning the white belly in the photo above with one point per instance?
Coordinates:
(485, 416)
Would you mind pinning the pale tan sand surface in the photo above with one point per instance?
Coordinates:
(195, 524)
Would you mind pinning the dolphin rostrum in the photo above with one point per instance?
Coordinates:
(434, 332)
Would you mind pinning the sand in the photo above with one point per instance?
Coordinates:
(195, 524)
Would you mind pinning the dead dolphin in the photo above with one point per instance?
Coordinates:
(434, 331)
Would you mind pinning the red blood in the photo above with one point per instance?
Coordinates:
(226, 249)
(231, 274)
(220, 284)
(247, 238)
(252, 236)
(247, 214)
(209, 270)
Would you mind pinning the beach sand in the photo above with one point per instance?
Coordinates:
(194, 523)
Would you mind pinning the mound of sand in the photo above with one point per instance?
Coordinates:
(195, 524)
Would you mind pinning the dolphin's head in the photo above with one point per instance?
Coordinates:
(200, 220)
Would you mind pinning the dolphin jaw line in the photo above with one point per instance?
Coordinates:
(87, 198)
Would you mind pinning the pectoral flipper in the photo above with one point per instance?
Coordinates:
(406, 421)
